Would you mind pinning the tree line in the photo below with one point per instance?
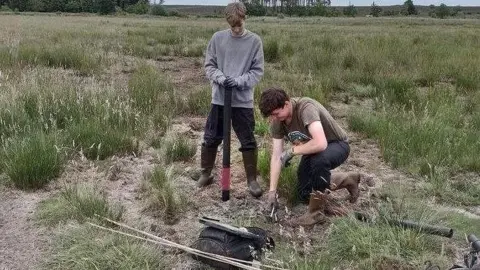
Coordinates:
(87, 6)
(323, 8)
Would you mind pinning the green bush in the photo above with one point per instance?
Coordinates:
(141, 7)
(158, 10)
(33, 161)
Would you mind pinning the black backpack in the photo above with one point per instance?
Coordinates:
(246, 244)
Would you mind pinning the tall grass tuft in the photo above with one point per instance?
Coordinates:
(80, 203)
(271, 51)
(86, 247)
(262, 127)
(99, 141)
(198, 102)
(163, 198)
(150, 91)
(68, 56)
(32, 161)
(287, 184)
(178, 149)
(152, 94)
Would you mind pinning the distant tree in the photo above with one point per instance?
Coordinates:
(442, 11)
(456, 10)
(375, 10)
(255, 8)
(389, 13)
(350, 11)
(105, 6)
(73, 6)
(141, 7)
(35, 5)
(20, 5)
(410, 8)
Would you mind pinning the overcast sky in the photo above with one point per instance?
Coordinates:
(342, 2)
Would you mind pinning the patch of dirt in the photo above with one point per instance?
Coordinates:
(22, 242)
(186, 73)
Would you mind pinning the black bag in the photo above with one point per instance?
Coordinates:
(227, 242)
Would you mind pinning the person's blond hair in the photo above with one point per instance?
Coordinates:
(235, 13)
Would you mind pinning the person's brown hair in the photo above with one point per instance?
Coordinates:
(235, 13)
(272, 99)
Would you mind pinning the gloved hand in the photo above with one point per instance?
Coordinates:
(285, 158)
(272, 206)
(230, 82)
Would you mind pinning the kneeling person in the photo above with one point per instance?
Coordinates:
(314, 135)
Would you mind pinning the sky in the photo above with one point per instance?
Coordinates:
(342, 2)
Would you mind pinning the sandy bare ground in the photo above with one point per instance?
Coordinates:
(23, 244)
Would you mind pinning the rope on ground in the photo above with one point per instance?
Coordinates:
(158, 240)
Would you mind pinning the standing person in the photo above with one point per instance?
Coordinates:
(314, 135)
(234, 59)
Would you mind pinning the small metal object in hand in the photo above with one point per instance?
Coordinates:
(273, 214)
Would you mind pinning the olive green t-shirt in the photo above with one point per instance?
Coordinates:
(305, 111)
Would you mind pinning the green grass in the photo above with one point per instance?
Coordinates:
(68, 56)
(31, 162)
(287, 183)
(414, 78)
(148, 89)
(85, 247)
(262, 127)
(163, 200)
(198, 102)
(80, 203)
(97, 141)
(178, 149)
(424, 132)
(379, 245)
(152, 93)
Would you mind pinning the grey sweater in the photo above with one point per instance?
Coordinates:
(238, 57)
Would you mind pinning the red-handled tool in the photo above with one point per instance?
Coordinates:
(227, 121)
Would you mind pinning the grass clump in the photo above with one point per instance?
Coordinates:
(98, 141)
(198, 102)
(68, 56)
(287, 184)
(152, 94)
(80, 203)
(86, 247)
(163, 200)
(178, 149)
(272, 51)
(378, 245)
(149, 90)
(32, 161)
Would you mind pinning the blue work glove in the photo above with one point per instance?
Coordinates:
(285, 158)
(230, 82)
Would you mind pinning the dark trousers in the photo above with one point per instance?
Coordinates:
(243, 123)
(314, 170)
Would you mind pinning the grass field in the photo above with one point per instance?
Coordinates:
(75, 86)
